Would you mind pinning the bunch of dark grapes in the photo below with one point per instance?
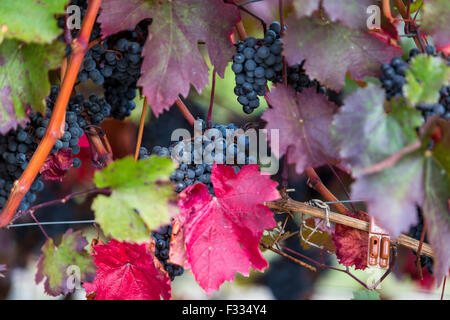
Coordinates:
(18, 146)
(393, 80)
(162, 246)
(116, 64)
(415, 232)
(197, 157)
(16, 149)
(256, 62)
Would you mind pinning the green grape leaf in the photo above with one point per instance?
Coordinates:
(366, 295)
(63, 264)
(118, 219)
(24, 81)
(126, 172)
(441, 150)
(366, 134)
(436, 209)
(427, 74)
(435, 21)
(31, 20)
(141, 200)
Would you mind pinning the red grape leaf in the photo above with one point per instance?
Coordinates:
(56, 263)
(222, 233)
(306, 116)
(56, 165)
(177, 250)
(126, 271)
(331, 50)
(435, 21)
(172, 60)
(351, 244)
(366, 134)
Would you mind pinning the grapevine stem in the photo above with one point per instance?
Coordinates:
(289, 205)
(55, 128)
(303, 264)
(404, 13)
(316, 183)
(40, 226)
(141, 129)
(422, 238)
(185, 112)
(211, 102)
(443, 288)
(324, 266)
(392, 160)
(342, 185)
(241, 30)
(33, 209)
(280, 9)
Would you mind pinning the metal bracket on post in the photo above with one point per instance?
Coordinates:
(379, 246)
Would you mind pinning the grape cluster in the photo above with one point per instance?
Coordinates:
(197, 157)
(16, 149)
(73, 128)
(18, 146)
(116, 63)
(415, 232)
(256, 62)
(162, 246)
(393, 80)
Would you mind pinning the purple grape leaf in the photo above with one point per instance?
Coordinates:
(436, 209)
(57, 263)
(268, 10)
(331, 50)
(435, 21)
(351, 13)
(303, 120)
(393, 194)
(172, 60)
(305, 7)
(24, 81)
(366, 134)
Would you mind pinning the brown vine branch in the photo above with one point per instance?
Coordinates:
(316, 183)
(185, 112)
(281, 253)
(63, 200)
(289, 205)
(241, 30)
(419, 250)
(443, 288)
(407, 18)
(141, 129)
(55, 128)
(211, 101)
